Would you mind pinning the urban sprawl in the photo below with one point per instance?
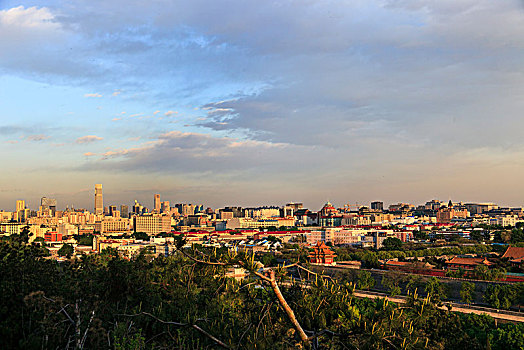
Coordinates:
(138, 229)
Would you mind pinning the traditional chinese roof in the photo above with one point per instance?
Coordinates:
(470, 261)
(514, 253)
(414, 264)
(398, 263)
(321, 249)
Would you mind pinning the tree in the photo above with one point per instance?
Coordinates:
(66, 250)
(84, 239)
(392, 243)
(482, 272)
(391, 280)
(467, 292)
(435, 289)
(273, 239)
(476, 236)
(141, 236)
(413, 282)
(186, 301)
(421, 234)
(369, 259)
(491, 296)
(517, 235)
(365, 280)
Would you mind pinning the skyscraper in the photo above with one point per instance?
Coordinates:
(157, 203)
(99, 201)
(124, 211)
(377, 205)
(20, 205)
(48, 204)
(165, 207)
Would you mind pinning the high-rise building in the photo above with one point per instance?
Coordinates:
(124, 211)
(165, 207)
(99, 201)
(137, 208)
(157, 203)
(112, 210)
(48, 204)
(377, 205)
(20, 205)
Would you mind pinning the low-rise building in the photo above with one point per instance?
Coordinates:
(152, 224)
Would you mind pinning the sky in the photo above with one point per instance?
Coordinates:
(252, 103)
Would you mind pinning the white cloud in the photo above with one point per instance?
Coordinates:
(88, 139)
(97, 95)
(39, 137)
(32, 18)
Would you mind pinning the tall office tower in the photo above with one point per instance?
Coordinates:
(99, 201)
(20, 205)
(112, 210)
(137, 208)
(48, 204)
(165, 207)
(377, 205)
(124, 211)
(157, 203)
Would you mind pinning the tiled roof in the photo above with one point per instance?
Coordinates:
(469, 261)
(514, 253)
(398, 263)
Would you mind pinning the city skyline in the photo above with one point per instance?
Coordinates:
(346, 101)
(154, 204)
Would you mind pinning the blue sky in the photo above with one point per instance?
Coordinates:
(253, 102)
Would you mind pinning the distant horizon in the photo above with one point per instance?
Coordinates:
(148, 203)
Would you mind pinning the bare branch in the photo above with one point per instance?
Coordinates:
(216, 340)
(154, 317)
(265, 278)
(201, 261)
(210, 336)
(87, 329)
(290, 265)
(287, 308)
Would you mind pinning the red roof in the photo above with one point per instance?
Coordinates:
(322, 248)
(398, 263)
(514, 253)
(469, 261)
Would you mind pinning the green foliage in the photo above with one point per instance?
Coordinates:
(459, 273)
(123, 340)
(66, 250)
(141, 236)
(84, 239)
(503, 296)
(391, 280)
(467, 292)
(435, 289)
(369, 260)
(484, 273)
(106, 302)
(273, 239)
(392, 243)
(365, 280)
